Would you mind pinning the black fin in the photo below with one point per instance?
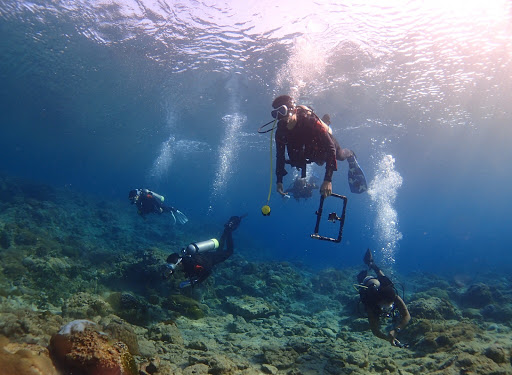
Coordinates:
(361, 275)
(368, 258)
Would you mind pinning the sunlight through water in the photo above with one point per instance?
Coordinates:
(229, 144)
(383, 191)
(164, 160)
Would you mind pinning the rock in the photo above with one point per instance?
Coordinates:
(280, 358)
(496, 353)
(197, 369)
(384, 365)
(446, 336)
(168, 333)
(239, 325)
(119, 330)
(23, 359)
(80, 348)
(433, 308)
(249, 307)
(359, 325)
(150, 367)
(198, 345)
(477, 295)
(131, 308)
(358, 359)
(186, 306)
(497, 313)
(85, 306)
(217, 364)
(269, 369)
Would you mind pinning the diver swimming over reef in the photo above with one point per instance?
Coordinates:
(199, 258)
(148, 202)
(380, 299)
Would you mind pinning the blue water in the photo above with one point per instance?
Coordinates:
(105, 98)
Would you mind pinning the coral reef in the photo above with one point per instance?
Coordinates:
(184, 305)
(79, 348)
(23, 359)
(84, 305)
(79, 257)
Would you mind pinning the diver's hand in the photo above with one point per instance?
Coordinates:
(279, 188)
(233, 223)
(326, 188)
(392, 338)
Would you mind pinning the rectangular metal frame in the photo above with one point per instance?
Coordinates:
(332, 217)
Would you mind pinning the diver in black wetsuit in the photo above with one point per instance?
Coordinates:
(379, 299)
(199, 258)
(148, 202)
(302, 187)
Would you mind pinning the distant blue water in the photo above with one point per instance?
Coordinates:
(105, 99)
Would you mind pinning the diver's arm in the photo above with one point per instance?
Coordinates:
(405, 317)
(404, 313)
(201, 276)
(374, 326)
(327, 143)
(329, 146)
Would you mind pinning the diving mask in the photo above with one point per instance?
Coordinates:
(280, 112)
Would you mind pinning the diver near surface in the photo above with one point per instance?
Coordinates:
(199, 258)
(379, 299)
(307, 139)
(148, 202)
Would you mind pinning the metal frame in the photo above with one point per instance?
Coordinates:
(333, 217)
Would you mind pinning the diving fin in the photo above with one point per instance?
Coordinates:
(182, 219)
(173, 217)
(185, 284)
(361, 275)
(356, 177)
(368, 257)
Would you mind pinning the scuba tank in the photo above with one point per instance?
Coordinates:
(203, 246)
(157, 196)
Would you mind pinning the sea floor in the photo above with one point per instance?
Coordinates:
(65, 256)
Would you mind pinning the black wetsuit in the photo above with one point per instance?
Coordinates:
(199, 266)
(371, 296)
(147, 204)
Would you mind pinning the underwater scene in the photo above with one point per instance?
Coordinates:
(255, 187)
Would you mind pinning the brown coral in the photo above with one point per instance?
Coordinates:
(89, 352)
(21, 359)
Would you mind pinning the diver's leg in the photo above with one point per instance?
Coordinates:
(341, 153)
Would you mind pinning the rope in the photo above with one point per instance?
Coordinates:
(270, 185)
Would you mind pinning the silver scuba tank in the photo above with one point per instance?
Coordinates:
(203, 246)
(157, 196)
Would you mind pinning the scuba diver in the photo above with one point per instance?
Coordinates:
(380, 299)
(303, 187)
(199, 258)
(148, 202)
(307, 139)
